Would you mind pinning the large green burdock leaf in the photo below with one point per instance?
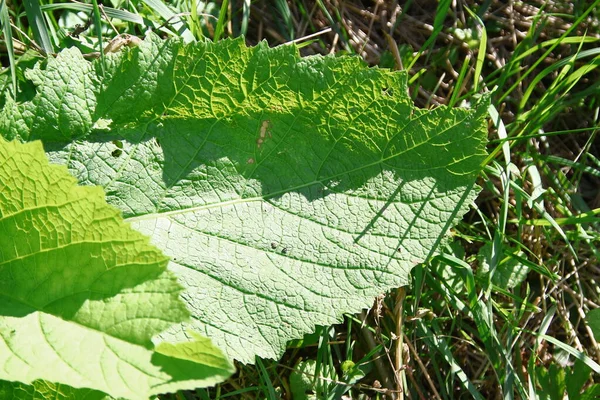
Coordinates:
(286, 190)
(82, 294)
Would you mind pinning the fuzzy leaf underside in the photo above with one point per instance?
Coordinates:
(287, 191)
(82, 294)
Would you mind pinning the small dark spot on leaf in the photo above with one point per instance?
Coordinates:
(117, 153)
(399, 250)
(273, 245)
(284, 250)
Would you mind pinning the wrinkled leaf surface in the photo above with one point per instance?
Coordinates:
(286, 190)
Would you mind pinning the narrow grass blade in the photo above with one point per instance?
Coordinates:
(194, 24)
(167, 14)
(98, 29)
(8, 39)
(481, 52)
(540, 269)
(572, 164)
(221, 22)
(547, 52)
(88, 8)
(502, 135)
(555, 42)
(286, 15)
(572, 351)
(435, 342)
(438, 24)
(500, 229)
(510, 376)
(592, 216)
(482, 315)
(536, 184)
(245, 17)
(38, 25)
(264, 377)
(546, 216)
(338, 28)
(459, 82)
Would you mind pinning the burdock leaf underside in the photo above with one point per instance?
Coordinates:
(286, 190)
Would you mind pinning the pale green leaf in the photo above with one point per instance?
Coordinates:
(286, 190)
(81, 293)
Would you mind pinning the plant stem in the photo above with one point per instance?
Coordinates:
(398, 362)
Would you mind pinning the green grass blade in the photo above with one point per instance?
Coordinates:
(38, 25)
(547, 52)
(510, 376)
(563, 82)
(123, 15)
(546, 216)
(459, 81)
(245, 17)
(438, 24)
(536, 184)
(482, 315)
(540, 269)
(503, 146)
(98, 29)
(554, 42)
(286, 15)
(481, 52)
(572, 351)
(266, 380)
(508, 72)
(167, 14)
(194, 24)
(221, 22)
(8, 39)
(338, 28)
(571, 164)
(592, 216)
(436, 342)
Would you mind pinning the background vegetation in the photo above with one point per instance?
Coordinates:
(503, 311)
